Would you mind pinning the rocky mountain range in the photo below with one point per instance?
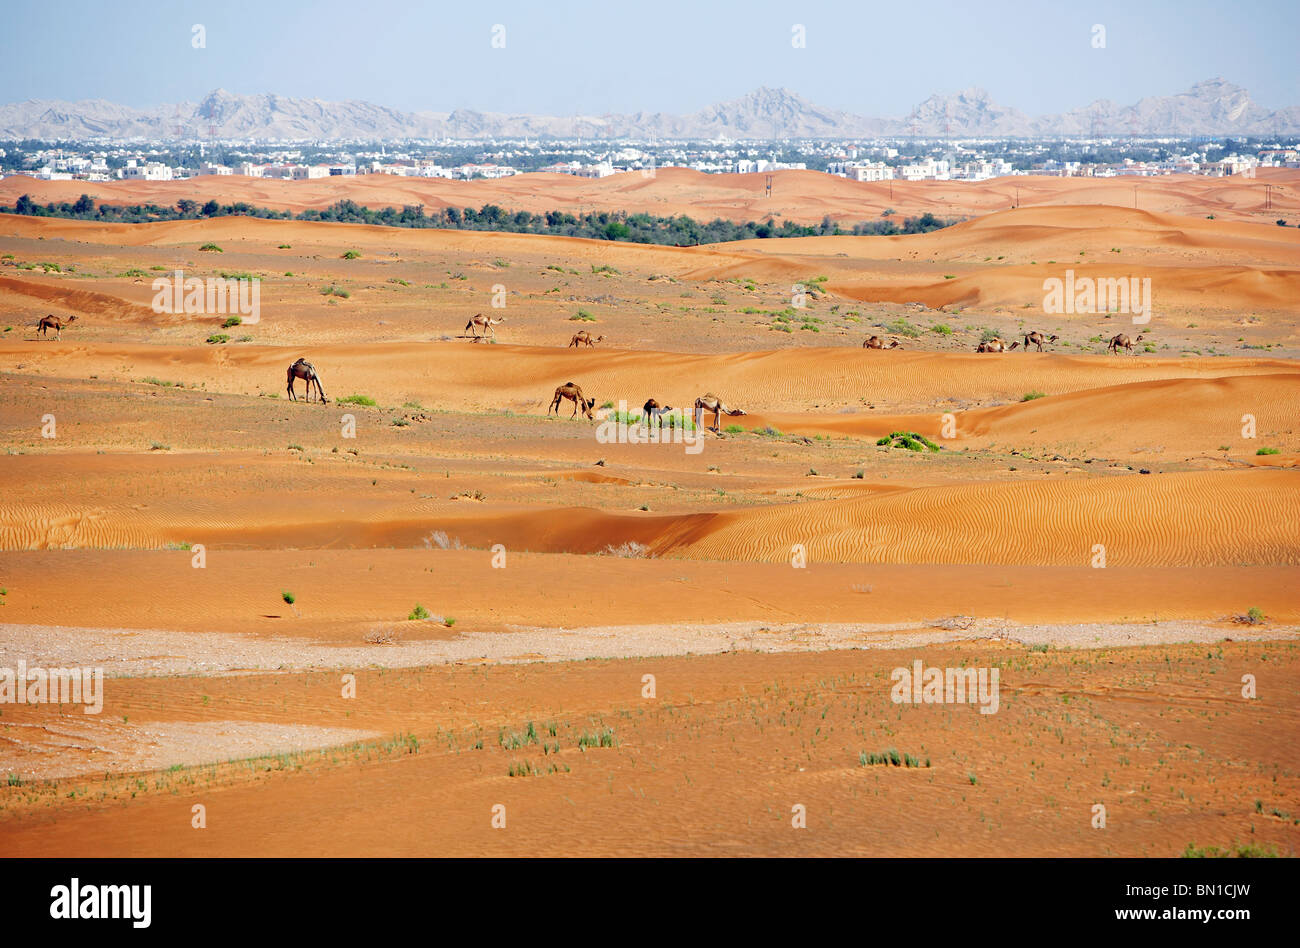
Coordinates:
(1214, 107)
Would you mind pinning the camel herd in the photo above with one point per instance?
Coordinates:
(997, 344)
(652, 411)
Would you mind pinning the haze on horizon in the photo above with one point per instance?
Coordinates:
(676, 57)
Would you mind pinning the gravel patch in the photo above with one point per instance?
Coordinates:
(155, 652)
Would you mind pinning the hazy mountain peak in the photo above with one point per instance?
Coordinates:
(1210, 107)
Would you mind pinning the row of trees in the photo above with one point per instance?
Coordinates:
(679, 231)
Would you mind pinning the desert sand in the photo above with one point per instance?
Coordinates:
(1097, 527)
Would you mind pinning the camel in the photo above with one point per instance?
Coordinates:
(57, 323)
(653, 412)
(875, 342)
(572, 392)
(711, 402)
(486, 323)
(1122, 341)
(582, 337)
(1036, 338)
(995, 345)
(302, 369)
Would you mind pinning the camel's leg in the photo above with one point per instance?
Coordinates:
(289, 388)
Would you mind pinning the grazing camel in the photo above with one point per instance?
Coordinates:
(653, 412)
(995, 345)
(582, 337)
(572, 392)
(486, 323)
(1122, 341)
(875, 342)
(711, 402)
(1036, 338)
(57, 323)
(302, 369)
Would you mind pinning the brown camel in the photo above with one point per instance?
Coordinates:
(486, 323)
(302, 369)
(875, 342)
(57, 323)
(653, 412)
(1036, 338)
(995, 345)
(573, 393)
(711, 402)
(582, 337)
(1122, 341)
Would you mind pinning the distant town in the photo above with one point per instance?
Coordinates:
(873, 160)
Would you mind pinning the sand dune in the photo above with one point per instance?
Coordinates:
(623, 558)
(79, 301)
(803, 196)
(1191, 519)
(999, 260)
(523, 378)
(1174, 519)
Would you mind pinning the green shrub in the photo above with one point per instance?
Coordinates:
(909, 440)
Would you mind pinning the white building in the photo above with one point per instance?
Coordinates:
(868, 171)
(147, 171)
(928, 169)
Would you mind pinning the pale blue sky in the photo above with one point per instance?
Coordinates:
(864, 56)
